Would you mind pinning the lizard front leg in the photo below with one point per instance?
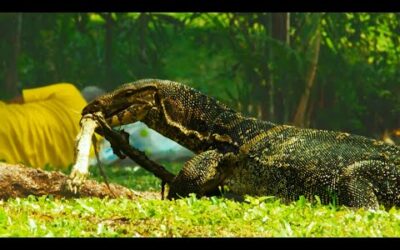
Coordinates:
(202, 174)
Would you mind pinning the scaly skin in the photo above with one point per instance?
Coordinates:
(256, 157)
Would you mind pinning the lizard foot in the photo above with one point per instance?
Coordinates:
(76, 179)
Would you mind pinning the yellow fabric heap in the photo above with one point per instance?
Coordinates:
(41, 131)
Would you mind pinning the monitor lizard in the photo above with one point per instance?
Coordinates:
(252, 156)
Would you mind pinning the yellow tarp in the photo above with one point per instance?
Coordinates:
(43, 129)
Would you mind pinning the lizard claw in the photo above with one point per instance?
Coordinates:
(76, 179)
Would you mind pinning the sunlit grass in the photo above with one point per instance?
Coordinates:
(208, 217)
(189, 217)
(133, 177)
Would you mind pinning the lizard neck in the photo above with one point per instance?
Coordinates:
(187, 116)
(243, 129)
(199, 122)
(180, 113)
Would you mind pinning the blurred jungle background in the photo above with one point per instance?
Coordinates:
(337, 71)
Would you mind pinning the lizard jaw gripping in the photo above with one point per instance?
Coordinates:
(166, 107)
(123, 106)
(163, 106)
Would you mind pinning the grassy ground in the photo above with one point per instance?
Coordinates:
(189, 217)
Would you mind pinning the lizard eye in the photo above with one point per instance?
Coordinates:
(92, 107)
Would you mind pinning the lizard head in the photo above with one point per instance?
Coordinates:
(127, 104)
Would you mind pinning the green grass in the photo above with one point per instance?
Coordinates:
(189, 217)
(133, 177)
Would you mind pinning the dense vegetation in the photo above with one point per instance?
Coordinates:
(324, 70)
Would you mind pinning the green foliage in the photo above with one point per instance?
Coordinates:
(189, 217)
(361, 92)
(231, 56)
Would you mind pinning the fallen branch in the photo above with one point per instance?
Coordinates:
(21, 181)
(120, 143)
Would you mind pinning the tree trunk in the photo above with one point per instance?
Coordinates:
(11, 75)
(21, 181)
(279, 30)
(108, 48)
(300, 115)
(280, 26)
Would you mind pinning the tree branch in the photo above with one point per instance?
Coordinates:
(120, 143)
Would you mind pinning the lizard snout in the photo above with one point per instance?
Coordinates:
(93, 107)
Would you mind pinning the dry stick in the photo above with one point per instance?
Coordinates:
(100, 165)
(120, 143)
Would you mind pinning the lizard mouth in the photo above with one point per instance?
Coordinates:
(115, 112)
(124, 115)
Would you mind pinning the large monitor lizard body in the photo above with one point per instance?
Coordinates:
(256, 157)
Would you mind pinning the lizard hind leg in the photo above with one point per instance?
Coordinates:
(201, 175)
(355, 189)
